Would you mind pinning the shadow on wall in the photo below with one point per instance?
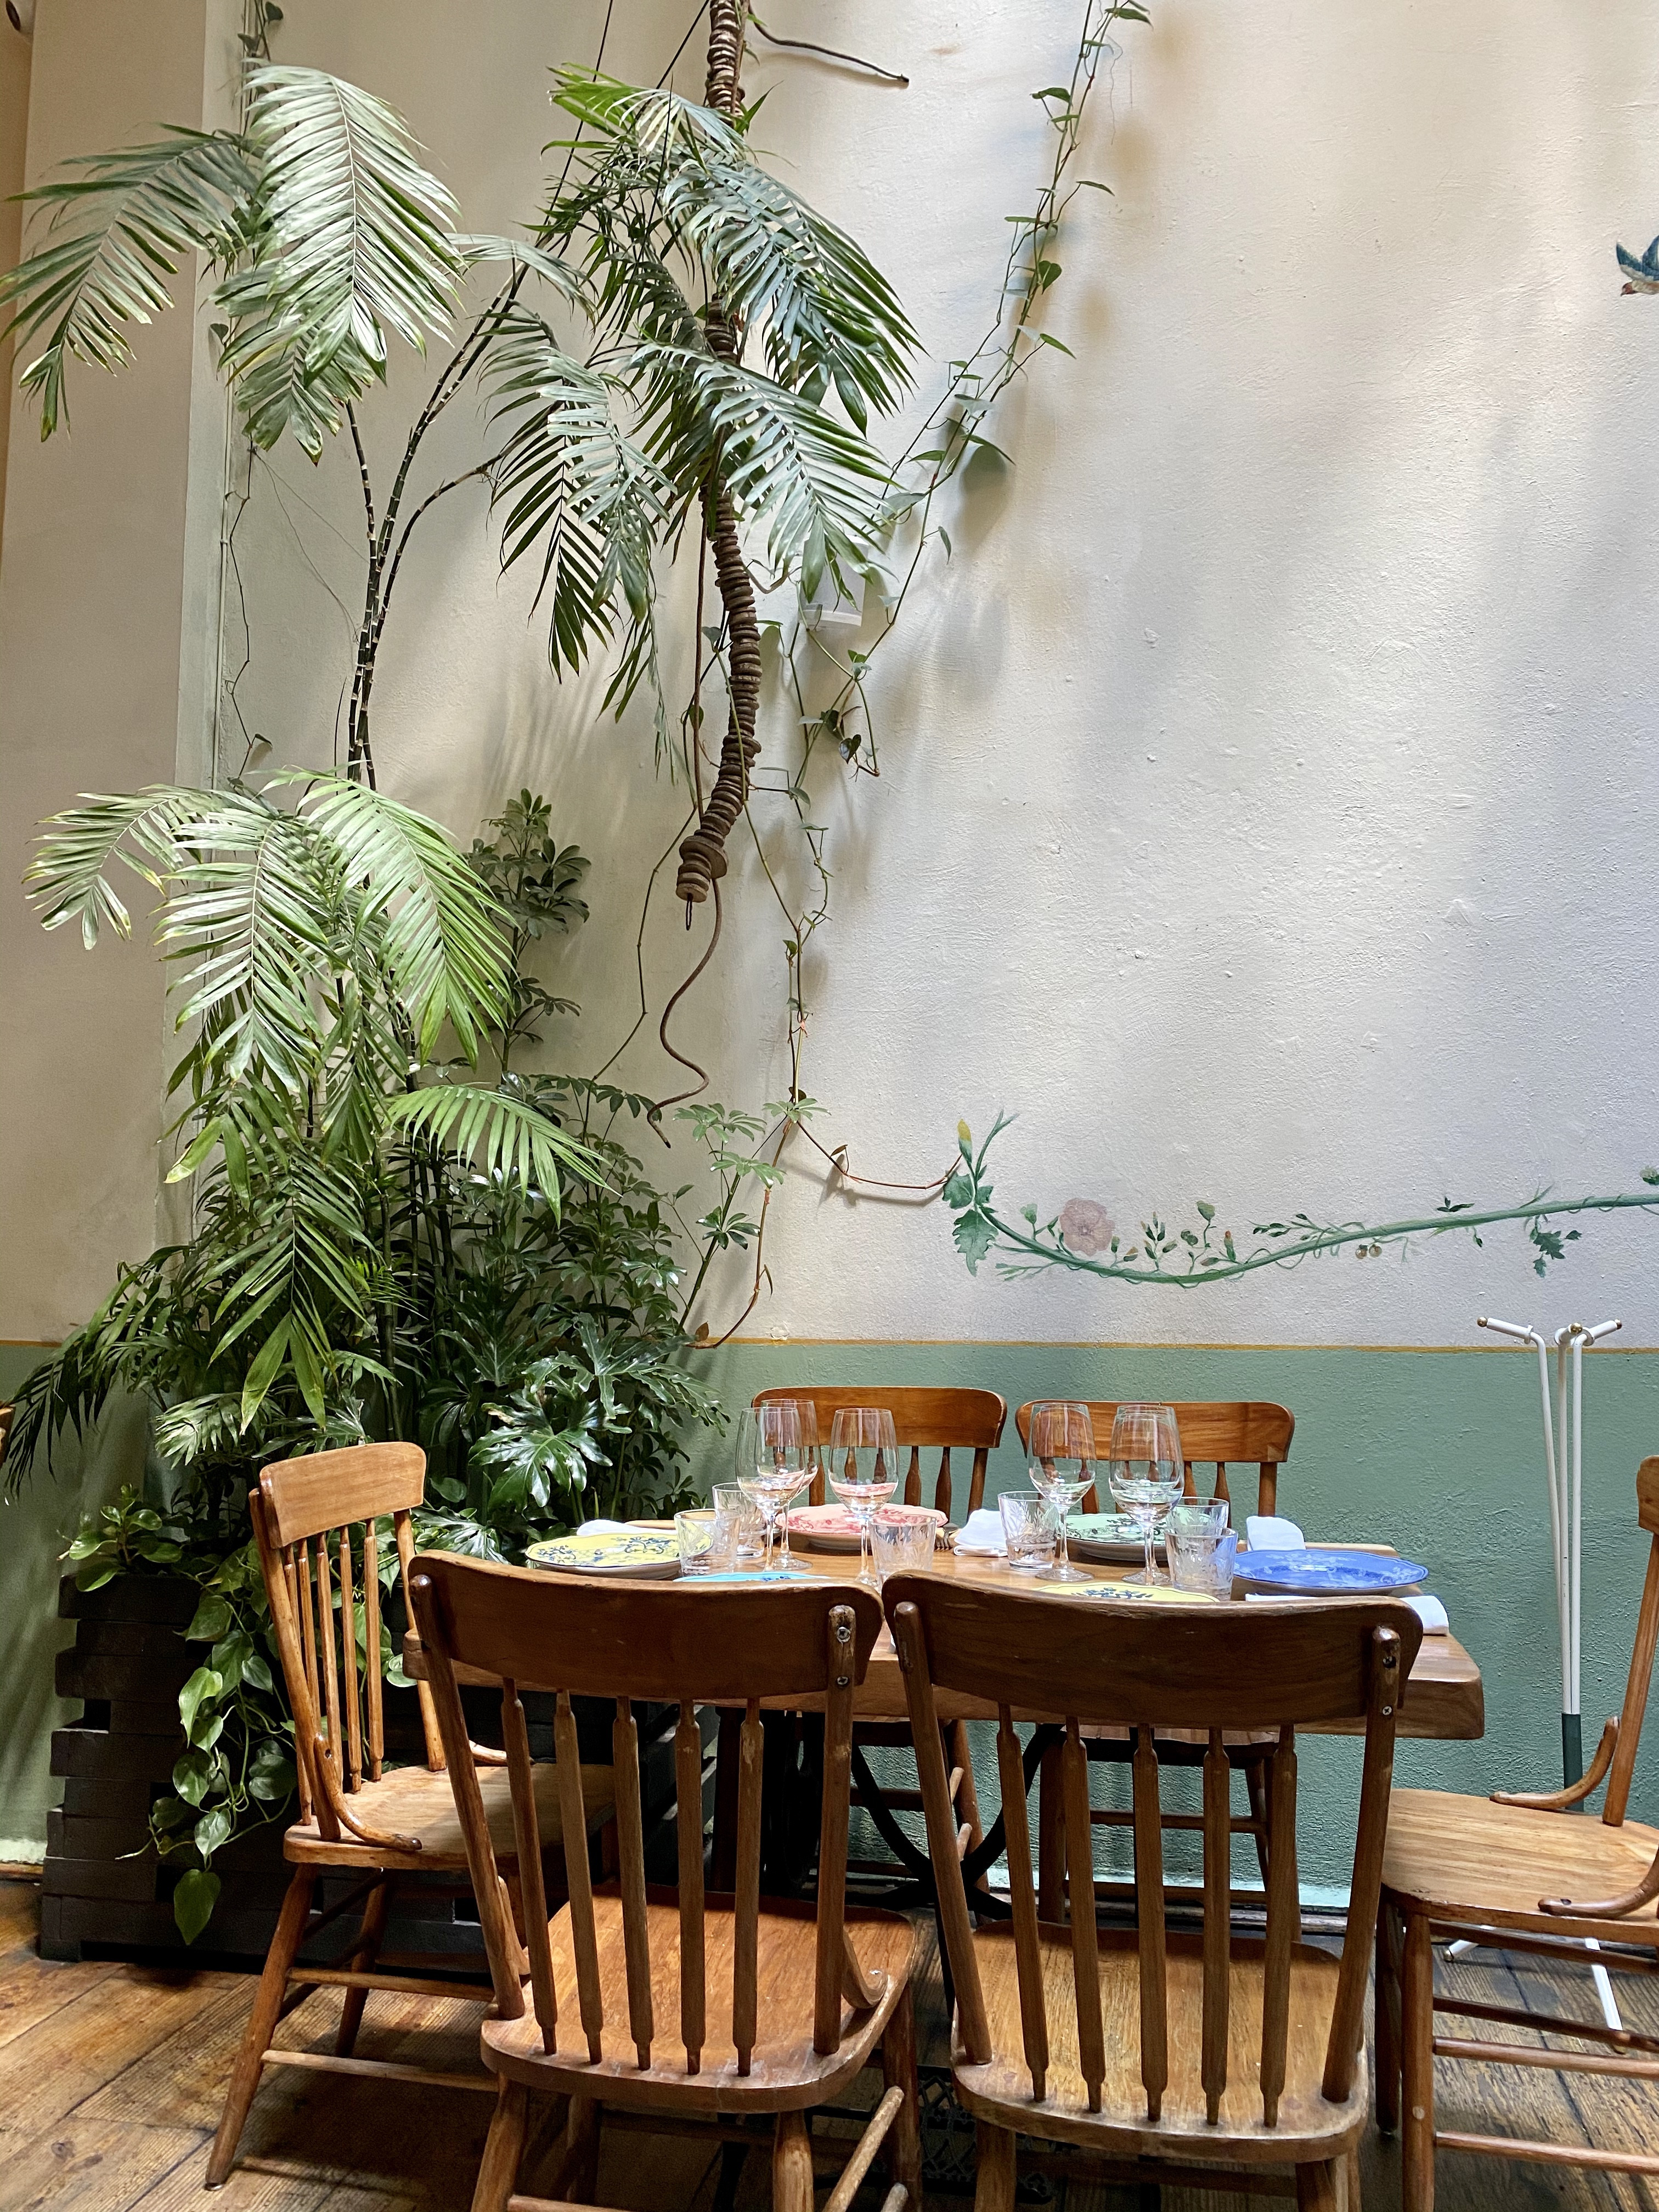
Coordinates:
(35, 1527)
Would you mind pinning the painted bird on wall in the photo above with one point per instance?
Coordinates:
(1641, 276)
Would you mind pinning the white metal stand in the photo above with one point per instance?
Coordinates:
(1563, 1478)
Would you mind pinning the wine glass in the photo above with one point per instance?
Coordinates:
(863, 1469)
(774, 1465)
(1146, 1471)
(1062, 1455)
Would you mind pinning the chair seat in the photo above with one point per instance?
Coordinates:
(786, 2073)
(415, 1802)
(1486, 1864)
(1309, 2129)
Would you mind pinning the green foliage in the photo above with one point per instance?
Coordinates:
(379, 1247)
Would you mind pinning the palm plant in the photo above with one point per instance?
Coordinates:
(673, 249)
(320, 951)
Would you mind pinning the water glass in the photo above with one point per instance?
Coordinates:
(1210, 1514)
(1202, 1559)
(1030, 1530)
(1061, 1465)
(903, 1537)
(707, 1541)
(733, 1504)
(863, 1467)
(1147, 1472)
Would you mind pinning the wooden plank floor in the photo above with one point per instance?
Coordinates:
(111, 2078)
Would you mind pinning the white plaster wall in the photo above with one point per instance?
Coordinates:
(1266, 799)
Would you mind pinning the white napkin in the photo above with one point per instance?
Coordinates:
(981, 1533)
(1266, 1532)
(600, 1527)
(1431, 1614)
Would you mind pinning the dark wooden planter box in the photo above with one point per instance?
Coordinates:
(104, 1892)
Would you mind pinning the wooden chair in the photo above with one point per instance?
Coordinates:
(1248, 2053)
(316, 1522)
(778, 2006)
(1510, 1870)
(1215, 1433)
(923, 1420)
(1219, 1434)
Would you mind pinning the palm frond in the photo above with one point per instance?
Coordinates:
(786, 464)
(499, 1135)
(445, 946)
(521, 254)
(121, 225)
(577, 486)
(354, 239)
(67, 878)
(826, 313)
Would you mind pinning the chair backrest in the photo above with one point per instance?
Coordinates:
(954, 1420)
(1623, 1765)
(1261, 1667)
(1215, 1433)
(677, 1644)
(316, 1524)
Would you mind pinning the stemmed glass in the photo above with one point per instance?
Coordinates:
(1062, 1455)
(775, 1465)
(1146, 1471)
(863, 1470)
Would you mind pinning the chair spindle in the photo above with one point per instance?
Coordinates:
(371, 1648)
(1283, 1924)
(325, 1656)
(630, 1850)
(1377, 1779)
(528, 1840)
(828, 1970)
(1028, 1955)
(1149, 1915)
(349, 1662)
(688, 1790)
(745, 1932)
(578, 1881)
(308, 1626)
(1217, 1925)
(1085, 1943)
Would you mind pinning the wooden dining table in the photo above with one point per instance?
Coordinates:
(1443, 1701)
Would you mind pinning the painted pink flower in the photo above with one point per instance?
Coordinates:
(1086, 1227)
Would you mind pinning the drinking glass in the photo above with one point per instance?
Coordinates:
(733, 1502)
(1146, 1472)
(707, 1541)
(1030, 1530)
(1061, 1461)
(773, 1464)
(904, 1537)
(1202, 1557)
(863, 1469)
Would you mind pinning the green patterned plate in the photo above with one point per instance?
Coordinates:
(634, 1555)
(1107, 1536)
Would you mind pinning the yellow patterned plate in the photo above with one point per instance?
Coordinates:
(634, 1554)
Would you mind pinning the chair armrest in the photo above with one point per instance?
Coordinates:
(1561, 1800)
(1607, 1908)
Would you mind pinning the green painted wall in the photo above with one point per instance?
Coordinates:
(1436, 1452)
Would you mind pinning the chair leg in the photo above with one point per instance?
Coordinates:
(792, 2165)
(1387, 2019)
(1051, 1838)
(1417, 2058)
(1351, 2184)
(267, 2004)
(995, 2160)
(504, 2148)
(579, 2166)
(370, 1936)
(967, 1796)
(898, 2071)
(1316, 2187)
(1255, 1785)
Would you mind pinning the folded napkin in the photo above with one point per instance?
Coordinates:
(1266, 1532)
(981, 1534)
(600, 1527)
(1431, 1614)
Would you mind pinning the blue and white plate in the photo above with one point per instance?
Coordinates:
(1315, 1573)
